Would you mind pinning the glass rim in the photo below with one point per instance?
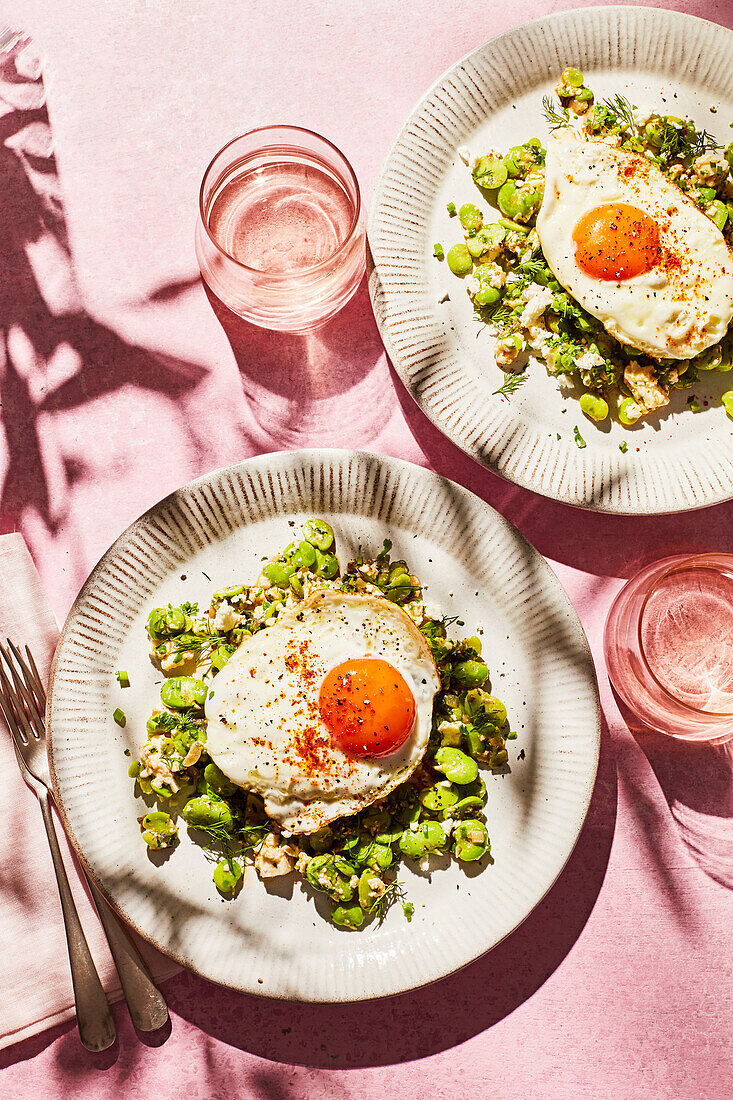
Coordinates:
(676, 567)
(284, 276)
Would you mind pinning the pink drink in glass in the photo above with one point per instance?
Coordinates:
(279, 240)
(669, 646)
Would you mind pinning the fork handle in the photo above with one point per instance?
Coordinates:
(147, 1006)
(93, 1017)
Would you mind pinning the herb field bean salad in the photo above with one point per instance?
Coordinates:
(604, 252)
(320, 721)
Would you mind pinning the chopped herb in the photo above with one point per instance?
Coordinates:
(127, 752)
(694, 403)
(120, 717)
(438, 251)
(408, 909)
(206, 575)
(579, 441)
(451, 208)
(512, 382)
(623, 446)
(122, 678)
(445, 298)
(558, 435)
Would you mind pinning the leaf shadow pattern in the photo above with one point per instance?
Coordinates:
(54, 355)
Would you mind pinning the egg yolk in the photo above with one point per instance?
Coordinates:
(367, 707)
(616, 241)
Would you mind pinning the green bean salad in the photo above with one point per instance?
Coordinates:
(506, 273)
(355, 860)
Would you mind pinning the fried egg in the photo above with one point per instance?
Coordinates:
(326, 711)
(633, 249)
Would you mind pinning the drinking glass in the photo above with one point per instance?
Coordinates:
(279, 238)
(669, 646)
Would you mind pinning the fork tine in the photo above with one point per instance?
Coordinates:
(28, 680)
(20, 696)
(40, 690)
(6, 704)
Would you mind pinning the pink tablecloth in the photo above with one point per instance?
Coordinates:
(119, 384)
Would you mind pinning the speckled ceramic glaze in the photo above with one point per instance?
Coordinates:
(272, 939)
(492, 99)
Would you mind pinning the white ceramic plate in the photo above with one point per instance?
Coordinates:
(492, 99)
(475, 565)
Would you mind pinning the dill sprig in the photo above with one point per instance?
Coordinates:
(553, 116)
(500, 316)
(621, 112)
(395, 892)
(512, 382)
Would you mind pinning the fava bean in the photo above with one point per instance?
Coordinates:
(347, 916)
(318, 533)
(322, 839)
(331, 875)
(459, 259)
(158, 830)
(470, 674)
(327, 565)
(227, 876)
(594, 407)
(629, 411)
(428, 837)
(205, 811)
(486, 296)
(221, 655)
(279, 573)
(727, 399)
(490, 173)
(181, 692)
(163, 622)
(134, 770)
(718, 213)
(304, 556)
(437, 798)
(470, 840)
(218, 781)
(229, 592)
(370, 853)
(572, 78)
(456, 766)
(370, 889)
(470, 216)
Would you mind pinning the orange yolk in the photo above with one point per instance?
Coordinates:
(367, 707)
(616, 241)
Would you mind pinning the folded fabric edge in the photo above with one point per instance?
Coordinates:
(37, 1027)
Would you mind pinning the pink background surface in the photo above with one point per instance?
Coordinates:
(119, 384)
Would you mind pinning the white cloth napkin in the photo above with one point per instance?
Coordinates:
(35, 981)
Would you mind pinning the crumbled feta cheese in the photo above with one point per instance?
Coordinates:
(536, 300)
(473, 285)
(643, 114)
(464, 153)
(447, 825)
(432, 611)
(413, 826)
(226, 617)
(588, 360)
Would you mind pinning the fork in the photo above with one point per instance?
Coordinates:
(23, 704)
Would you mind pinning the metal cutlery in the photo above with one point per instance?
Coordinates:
(23, 703)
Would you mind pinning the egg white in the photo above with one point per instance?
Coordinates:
(263, 725)
(677, 309)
